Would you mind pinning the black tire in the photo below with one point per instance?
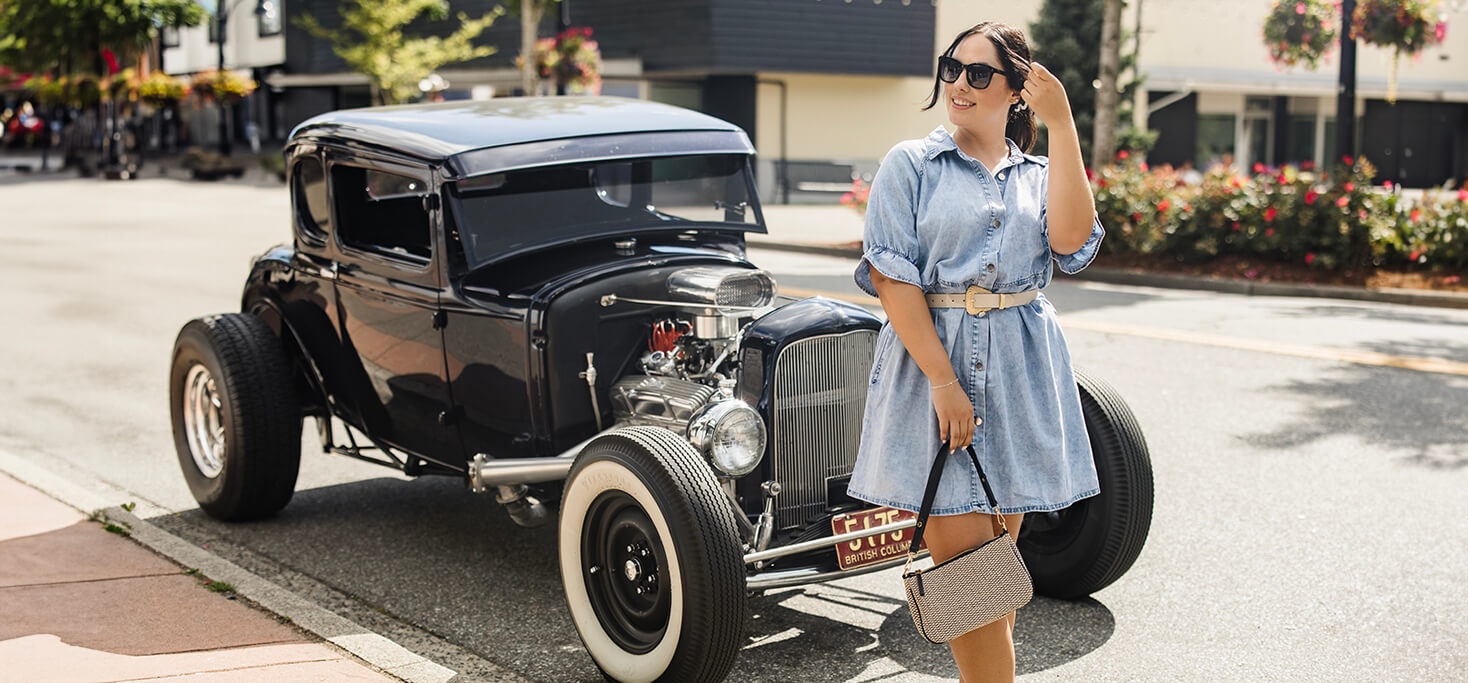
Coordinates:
(248, 469)
(646, 489)
(1074, 552)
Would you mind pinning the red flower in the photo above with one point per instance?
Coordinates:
(1236, 225)
(1101, 182)
(1349, 161)
(1350, 187)
(1136, 218)
(1143, 166)
(1309, 258)
(1236, 181)
(1311, 196)
(1416, 215)
(1089, 174)
(1414, 255)
(1163, 206)
(1307, 165)
(846, 199)
(1122, 154)
(1388, 184)
(1269, 214)
(1258, 167)
(1463, 195)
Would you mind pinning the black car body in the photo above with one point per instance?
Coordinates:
(550, 299)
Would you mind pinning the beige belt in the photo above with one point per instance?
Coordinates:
(978, 300)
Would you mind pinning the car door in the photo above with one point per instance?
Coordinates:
(388, 290)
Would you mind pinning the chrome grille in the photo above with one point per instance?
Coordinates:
(820, 393)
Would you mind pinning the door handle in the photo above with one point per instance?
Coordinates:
(329, 273)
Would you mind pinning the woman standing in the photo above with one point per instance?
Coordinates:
(969, 213)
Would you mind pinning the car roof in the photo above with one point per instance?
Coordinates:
(444, 129)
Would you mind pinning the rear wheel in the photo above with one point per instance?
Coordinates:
(650, 559)
(1079, 550)
(235, 423)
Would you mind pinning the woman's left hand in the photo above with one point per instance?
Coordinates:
(1045, 94)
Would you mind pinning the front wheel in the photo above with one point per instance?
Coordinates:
(650, 560)
(1076, 551)
(235, 423)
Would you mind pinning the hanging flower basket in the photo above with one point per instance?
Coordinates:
(49, 91)
(123, 86)
(1302, 32)
(1404, 26)
(572, 59)
(226, 85)
(160, 89)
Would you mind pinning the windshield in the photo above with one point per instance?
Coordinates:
(504, 213)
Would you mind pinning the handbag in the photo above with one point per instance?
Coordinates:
(969, 591)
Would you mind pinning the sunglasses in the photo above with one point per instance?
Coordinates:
(979, 75)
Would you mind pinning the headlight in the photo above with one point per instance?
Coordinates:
(730, 434)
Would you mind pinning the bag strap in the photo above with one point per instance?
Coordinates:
(929, 494)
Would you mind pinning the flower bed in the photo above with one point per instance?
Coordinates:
(1334, 221)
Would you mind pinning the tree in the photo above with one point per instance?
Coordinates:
(68, 36)
(1109, 67)
(1067, 40)
(372, 42)
(530, 12)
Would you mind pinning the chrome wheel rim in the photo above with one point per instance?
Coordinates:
(203, 423)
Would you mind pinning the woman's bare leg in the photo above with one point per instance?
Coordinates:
(985, 654)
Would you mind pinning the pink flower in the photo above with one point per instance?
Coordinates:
(1440, 31)
(1388, 184)
(1414, 256)
(1311, 196)
(1350, 187)
(1236, 181)
(1416, 215)
(1349, 161)
(846, 199)
(1309, 258)
(1299, 8)
(1143, 166)
(1451, 280)
(1269, 214)
(1269, 232)
(1258, 167)
(1122, 154)
(1463, 195)
(1343, 201)
(1307, 165)
(1236, 225)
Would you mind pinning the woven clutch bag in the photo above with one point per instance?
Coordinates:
(969, 591)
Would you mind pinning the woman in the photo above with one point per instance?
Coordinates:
(950, 214)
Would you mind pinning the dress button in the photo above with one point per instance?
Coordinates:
(989, 267)
(978, 421)
(995, 223)
(999, 175)
(979, 365)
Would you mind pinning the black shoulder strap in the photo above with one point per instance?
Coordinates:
(934, 476)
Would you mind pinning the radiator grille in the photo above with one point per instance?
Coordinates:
(820, 393)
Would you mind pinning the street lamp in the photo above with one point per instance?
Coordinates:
(222, 22)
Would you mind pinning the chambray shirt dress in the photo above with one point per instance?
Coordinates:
(938, 219)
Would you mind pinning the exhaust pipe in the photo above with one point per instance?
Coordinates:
(509, 476)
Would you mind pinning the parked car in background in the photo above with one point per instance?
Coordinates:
(550, 299)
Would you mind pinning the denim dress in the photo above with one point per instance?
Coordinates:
(938, 219)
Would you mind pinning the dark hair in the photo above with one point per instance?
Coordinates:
(1014, 58)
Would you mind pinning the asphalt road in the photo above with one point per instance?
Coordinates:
(1310, 523)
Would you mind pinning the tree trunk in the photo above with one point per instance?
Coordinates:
(530, 11)
(1104, 137)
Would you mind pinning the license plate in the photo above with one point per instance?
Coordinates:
(872, 549)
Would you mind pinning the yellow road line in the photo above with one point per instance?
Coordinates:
(1434, 365)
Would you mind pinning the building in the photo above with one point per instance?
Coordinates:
(825, 87)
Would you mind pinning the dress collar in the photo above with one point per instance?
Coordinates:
(940, 141)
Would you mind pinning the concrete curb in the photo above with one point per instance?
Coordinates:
(1116, 276)
(376, 650)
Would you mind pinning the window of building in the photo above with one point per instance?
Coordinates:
(309, 194)
(268, 18)
(382, 213)
(169, 37)
(1302, 138)
(1215, 140)
(213, 22)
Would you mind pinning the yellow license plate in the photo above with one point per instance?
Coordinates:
(872, 549)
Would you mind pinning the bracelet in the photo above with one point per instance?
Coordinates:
(940, 386)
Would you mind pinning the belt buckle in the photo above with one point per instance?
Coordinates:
(968, 300)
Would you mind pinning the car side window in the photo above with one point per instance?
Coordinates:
(309, 195)
(381, 212)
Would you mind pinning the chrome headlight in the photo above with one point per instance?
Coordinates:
(730, 434)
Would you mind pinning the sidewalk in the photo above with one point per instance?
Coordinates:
(81, 604)
(837, 231)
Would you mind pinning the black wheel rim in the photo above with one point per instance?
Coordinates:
(623, 561)
(1047, 533)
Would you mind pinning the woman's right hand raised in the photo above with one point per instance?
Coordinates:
(955, 415)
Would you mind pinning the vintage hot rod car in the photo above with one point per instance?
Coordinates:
(550, 300)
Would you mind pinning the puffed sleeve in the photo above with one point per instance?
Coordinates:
(889, 241)
(1076, 262)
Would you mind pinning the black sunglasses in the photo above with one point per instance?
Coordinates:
(979, 75)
